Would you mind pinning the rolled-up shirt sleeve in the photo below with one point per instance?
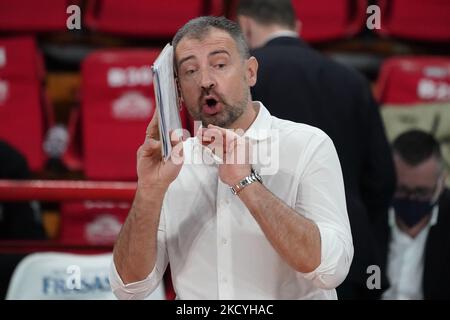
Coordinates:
(321, 198)
(141, 289)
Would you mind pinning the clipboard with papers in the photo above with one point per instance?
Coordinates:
(166, 96)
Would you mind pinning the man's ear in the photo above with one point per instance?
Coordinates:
(252, 71)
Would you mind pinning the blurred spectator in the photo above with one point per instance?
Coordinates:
(299, 84)
(415, 234)
(55, 145)
(18, 220)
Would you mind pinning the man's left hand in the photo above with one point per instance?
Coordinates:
(232, 148)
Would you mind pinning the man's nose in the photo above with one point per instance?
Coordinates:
(207, 82)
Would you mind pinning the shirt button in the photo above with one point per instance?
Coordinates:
(224, 241)
(224, 280)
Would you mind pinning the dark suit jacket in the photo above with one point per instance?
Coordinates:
(299, 84)
(436, 273)
(17, 219)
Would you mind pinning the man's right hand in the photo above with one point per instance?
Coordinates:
(153, 172)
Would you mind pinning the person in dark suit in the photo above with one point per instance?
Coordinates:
(415, 233)
(300, 84)
(18, 220)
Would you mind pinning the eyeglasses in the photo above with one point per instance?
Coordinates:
(420, 193)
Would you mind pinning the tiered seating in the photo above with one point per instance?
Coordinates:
(21, 100)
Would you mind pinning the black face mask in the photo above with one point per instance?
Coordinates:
(412, 211)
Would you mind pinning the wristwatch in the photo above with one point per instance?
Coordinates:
(253, 177)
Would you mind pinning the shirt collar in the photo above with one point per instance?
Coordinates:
(260, 128)
(281, 33)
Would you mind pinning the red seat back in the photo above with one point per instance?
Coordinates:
(408, 80)
(324, 20)
(151, 18)
(92, 222)
(34, 16)
(427, 20)
(117, 105)
(21, 114)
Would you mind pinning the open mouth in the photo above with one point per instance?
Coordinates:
(211, 102)
(211, 106)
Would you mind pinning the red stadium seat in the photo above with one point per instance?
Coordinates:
(91, 222)
(21, 98)
(427, 20)
(324, 20)
(408, 80)
(151, 18)
(117, 105)
(34, 16)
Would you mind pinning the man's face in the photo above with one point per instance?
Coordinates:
(214, 79)
(418, 182)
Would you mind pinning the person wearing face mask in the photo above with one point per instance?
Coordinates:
(300, 84)
(415, 234)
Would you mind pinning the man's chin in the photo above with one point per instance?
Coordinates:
(215, 120)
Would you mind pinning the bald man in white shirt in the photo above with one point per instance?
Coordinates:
(227, 232)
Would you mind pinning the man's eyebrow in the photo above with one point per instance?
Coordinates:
(218, 52)
(210, 54)
(185, 59)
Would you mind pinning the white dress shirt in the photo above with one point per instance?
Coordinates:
(406, 261)
(216, 248)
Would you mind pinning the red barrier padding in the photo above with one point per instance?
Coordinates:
(14, 190)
